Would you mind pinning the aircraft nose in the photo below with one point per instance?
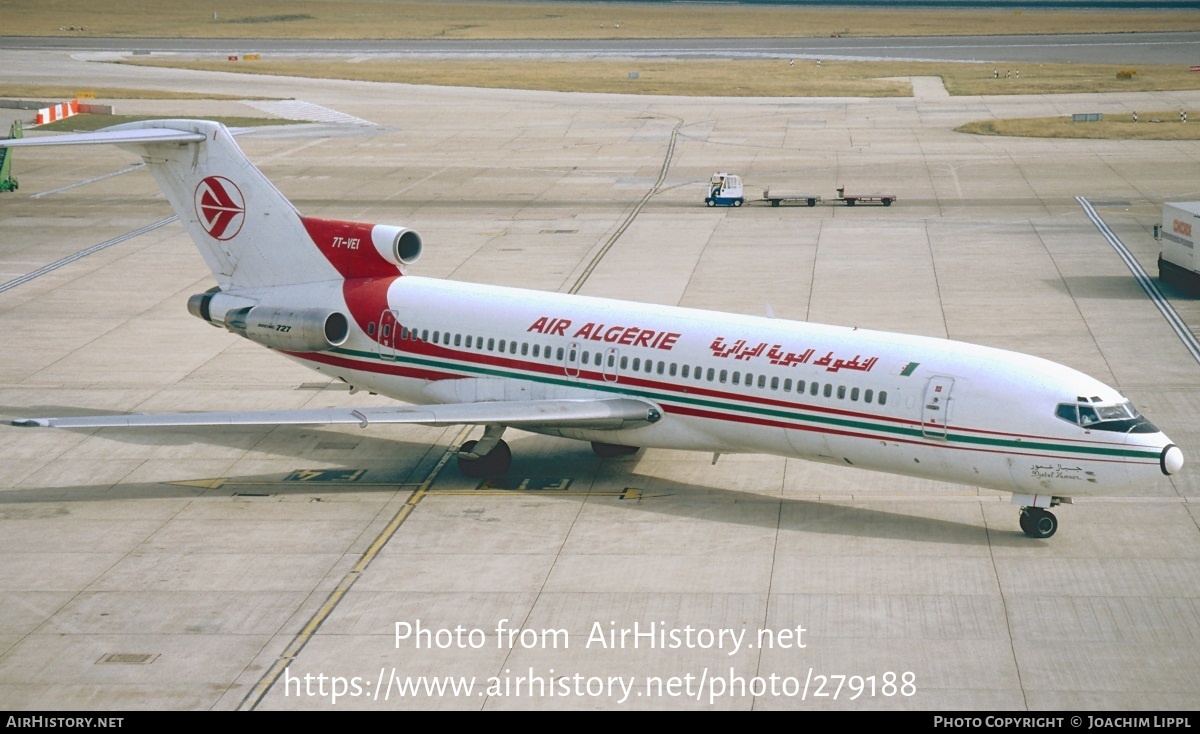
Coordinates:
(1171, 459)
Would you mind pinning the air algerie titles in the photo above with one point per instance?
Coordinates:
(632, 336)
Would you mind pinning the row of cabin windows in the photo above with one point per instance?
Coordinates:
(637, 364)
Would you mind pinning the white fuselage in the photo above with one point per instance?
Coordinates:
(728, 383)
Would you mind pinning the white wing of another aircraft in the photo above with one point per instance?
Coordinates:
(335, 296)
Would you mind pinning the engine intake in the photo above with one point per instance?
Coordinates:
(398, 245)
(290, 329)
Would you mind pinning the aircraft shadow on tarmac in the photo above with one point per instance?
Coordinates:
(573, 460)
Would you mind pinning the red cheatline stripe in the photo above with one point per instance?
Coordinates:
(402, 370)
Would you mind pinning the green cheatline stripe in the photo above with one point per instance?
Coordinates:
(757, 410)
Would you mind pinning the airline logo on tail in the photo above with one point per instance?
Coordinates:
(220, 207)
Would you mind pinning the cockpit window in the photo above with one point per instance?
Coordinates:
(1116, 417)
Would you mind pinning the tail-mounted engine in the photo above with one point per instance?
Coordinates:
(361, 250)
(290, 329)
(278, 327)
(402, 245)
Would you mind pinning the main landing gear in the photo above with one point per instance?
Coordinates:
(487, 457)
(1038, 523)
(492, 464)
(491, 457)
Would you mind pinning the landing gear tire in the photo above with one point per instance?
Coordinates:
(493, 464)
(612, 450)
(1038, 523)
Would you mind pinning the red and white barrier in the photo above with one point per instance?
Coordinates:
(57, 112)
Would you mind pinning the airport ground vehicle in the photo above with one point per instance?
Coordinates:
(789, 197)
(1177, 263)
(725, 189)
(852, 199)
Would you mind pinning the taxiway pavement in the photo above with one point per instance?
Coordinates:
(216, 569)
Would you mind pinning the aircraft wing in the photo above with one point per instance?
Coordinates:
(584, 413)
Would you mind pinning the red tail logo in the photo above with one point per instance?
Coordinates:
(220, 207)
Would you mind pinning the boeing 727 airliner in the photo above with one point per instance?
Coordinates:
(336, 297)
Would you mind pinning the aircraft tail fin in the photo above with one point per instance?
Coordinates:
(249, 234)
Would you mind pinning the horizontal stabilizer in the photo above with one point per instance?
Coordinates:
(111, 137)
(597, 413)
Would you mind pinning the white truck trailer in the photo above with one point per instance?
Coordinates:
(777, 197)
(1177, 262)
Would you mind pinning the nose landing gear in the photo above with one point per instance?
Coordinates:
(1038, 523)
